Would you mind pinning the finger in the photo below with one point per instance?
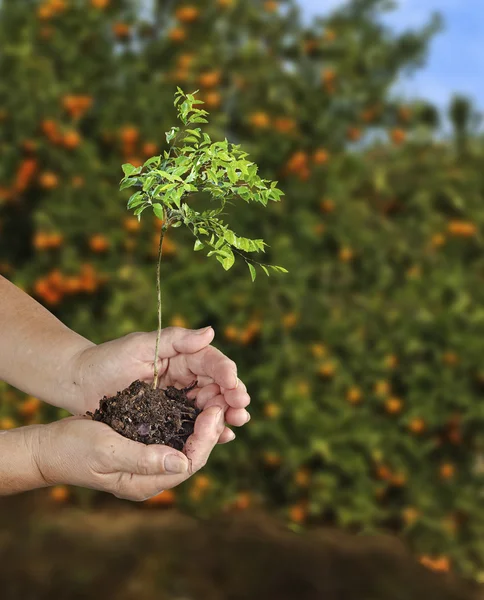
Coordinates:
(177, 340)
(214, 364)
(238, 397)
(227, 436)
(138, 488)
(205, 394)
(132, 457)
(208, 429)
(237, 417)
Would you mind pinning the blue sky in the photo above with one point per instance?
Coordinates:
(456, 58)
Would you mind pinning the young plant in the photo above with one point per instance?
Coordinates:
(194, 164)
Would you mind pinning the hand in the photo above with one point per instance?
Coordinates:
(184, 356)
(82, 452)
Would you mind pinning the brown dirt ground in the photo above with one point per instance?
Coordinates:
(131, 552)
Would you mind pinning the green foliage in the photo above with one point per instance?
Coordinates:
(364, 362)
(198, 165)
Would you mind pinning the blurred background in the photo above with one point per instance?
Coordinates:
(360, 474)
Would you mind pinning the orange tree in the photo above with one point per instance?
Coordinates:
(364, 361)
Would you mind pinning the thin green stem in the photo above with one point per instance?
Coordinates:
(158, 291)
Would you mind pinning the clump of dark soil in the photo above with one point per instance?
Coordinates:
(150, 416)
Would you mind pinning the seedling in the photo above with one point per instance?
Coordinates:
(193, 164)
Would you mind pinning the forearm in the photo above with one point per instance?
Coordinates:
(38, 352)
(19, 471)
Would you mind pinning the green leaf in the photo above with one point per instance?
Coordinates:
(198, 246)
(129, 169)
(266, 271)
(253, 273)
(230, 237)
(127, 183)
(159, 211)
(228, 260)
(136, 199)
(154, 160)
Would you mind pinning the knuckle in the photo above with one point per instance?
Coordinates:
(148, 462)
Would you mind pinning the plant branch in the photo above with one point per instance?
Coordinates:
(158, 291)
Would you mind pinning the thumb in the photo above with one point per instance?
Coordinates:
(176, 340)
(133, 457)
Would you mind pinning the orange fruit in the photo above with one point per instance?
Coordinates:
(327, 205)
(398, 480)
(165, 498)
(30, 407)
(354, 395)
(98, 243)
(48, 180)
(417, 426)
(259, 120)
(178, 321)
(231, 333)
(462, 229)
(129, 135)
(382, 388)
(451, 359)
(298, 513)
(212, 99)
(177, 34)
(243, 501)
(410, 515)
(202, 482)
(354, 134)
(438, 240)
(290, 320)
(318, 350)
(346, 255)
(7, 423)
(187, 14)
(393, 406)
(302, 477)
(383, 473)
(25, 174)
(447, 471)
(209, 79)
(71, 140)
(59, 493)
(284, 124)
(271, 459)
(398, 136)
(150, 149)
(327, 370)
(391, 361)
(121, 30)
(272, 410)
(131, 224)
(77, 181)
(271, 6)
(320, 157)
(100, 3)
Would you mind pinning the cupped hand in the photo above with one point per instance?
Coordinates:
(184, 356)
(79, 451)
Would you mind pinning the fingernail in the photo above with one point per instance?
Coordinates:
(175, 464)
(248, 417)
(232, 437)
(237, 384)
(202, 331)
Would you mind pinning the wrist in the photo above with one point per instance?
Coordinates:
(75, 400)
(19, 467)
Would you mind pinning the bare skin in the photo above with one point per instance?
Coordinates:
(42, 357)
